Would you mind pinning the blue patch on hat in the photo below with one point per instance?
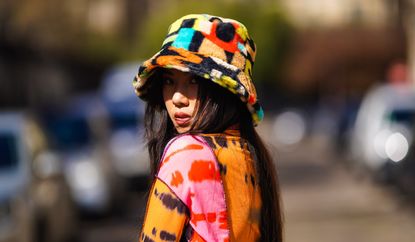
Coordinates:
(242, 48)
(184, 38)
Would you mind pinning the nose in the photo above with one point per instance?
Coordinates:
(180, 99)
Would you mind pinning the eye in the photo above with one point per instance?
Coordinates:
(167, 81)
(194, 81)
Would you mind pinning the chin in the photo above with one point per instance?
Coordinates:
(182, 130)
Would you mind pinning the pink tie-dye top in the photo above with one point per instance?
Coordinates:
(201, 192)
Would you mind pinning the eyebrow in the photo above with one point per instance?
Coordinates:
(166, 72)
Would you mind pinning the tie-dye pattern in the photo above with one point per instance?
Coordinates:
(213, 176)
(240, 181)
(168, 216)
(189, 160)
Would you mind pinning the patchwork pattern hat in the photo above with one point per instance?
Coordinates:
(215, 48)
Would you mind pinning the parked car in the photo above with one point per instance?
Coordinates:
(79, 133)
(35, 203)
(400, 150)
(289, 129)
(383, 132)
(126, 113)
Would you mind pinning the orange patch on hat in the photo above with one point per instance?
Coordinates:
(177, 60)
(187, 55)
(170, 60)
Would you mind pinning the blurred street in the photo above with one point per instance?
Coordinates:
(336, 80)
(121, 228)
(324, 201)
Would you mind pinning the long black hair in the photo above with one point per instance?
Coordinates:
(217, 110)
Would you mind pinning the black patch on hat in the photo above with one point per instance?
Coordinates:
(196, 41)
(209, 64)
(168, 51)
(195, 68)
(252, 44)
(245, 94)
(229, 56)
(225, 31)
(249, 57)
(215, 19)
(154, 61)
(141, 69)
(166, 45)
(188, 23)
(172, 33)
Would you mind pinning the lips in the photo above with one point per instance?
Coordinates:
(182, 119)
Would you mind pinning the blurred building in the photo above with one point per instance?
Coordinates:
(409, 25)
(64, 45)
(334, 13)
(67, 45)
(343, 47)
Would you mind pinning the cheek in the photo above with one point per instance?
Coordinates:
(167, 99)
(194, 105)
(166, 94)
(193, 97)
(169, 108)
(193, 90)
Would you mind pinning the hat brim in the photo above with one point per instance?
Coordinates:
(228, 76)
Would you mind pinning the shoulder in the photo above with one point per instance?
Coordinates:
(187, 160)
(183, 147)
(184, 143)
(184, 152)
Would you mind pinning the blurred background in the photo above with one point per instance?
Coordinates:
(336, 79)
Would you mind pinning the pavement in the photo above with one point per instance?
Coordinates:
(325, 201)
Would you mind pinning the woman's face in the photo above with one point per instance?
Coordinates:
(180, 97)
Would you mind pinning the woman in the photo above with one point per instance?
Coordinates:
(214, 180)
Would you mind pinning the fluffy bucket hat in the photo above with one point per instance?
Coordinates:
(215, 48)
